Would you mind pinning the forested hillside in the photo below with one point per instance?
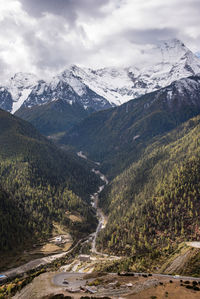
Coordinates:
(155, 203)
(12, 222)
(38, 184)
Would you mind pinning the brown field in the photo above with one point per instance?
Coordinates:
(49, 248)
(74, 218)
(168, 290)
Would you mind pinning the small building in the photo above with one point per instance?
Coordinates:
(58, 239)
(91, 290)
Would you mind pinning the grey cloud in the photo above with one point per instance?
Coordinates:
(68, 9)
(149, 36)
(48, 42)
(54, 52)
(51, 42)
(140, 36)
(4, 67)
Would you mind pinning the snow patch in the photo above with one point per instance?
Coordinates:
(81, 155)
(169, 95)
(136, 137)
(24, 95)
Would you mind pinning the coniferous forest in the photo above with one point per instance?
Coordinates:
(154, 204)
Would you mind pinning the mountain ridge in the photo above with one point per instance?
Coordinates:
(121, 133)
(102, 88)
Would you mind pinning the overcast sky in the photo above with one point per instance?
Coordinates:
(45, 36)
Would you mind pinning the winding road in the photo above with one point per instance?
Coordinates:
(36, 263)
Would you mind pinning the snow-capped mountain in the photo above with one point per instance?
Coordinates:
(169, 61)
(181, 93)
(103, 88)
(69, 88)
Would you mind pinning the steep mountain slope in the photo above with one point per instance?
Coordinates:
(40, 183)
(154, 204)
(53, 117)
(57, 106)
(119, 135)
(6, 100)
(68, 88)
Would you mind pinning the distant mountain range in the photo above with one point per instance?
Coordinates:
(77, 92)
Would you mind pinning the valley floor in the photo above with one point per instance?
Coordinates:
(77, 277)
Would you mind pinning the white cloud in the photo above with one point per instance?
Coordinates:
(45, 36)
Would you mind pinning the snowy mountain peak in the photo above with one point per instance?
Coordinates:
(168, 52)
(74, 68)
(171, 43)
(71, 79)
(22, 80)
(172, 46)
